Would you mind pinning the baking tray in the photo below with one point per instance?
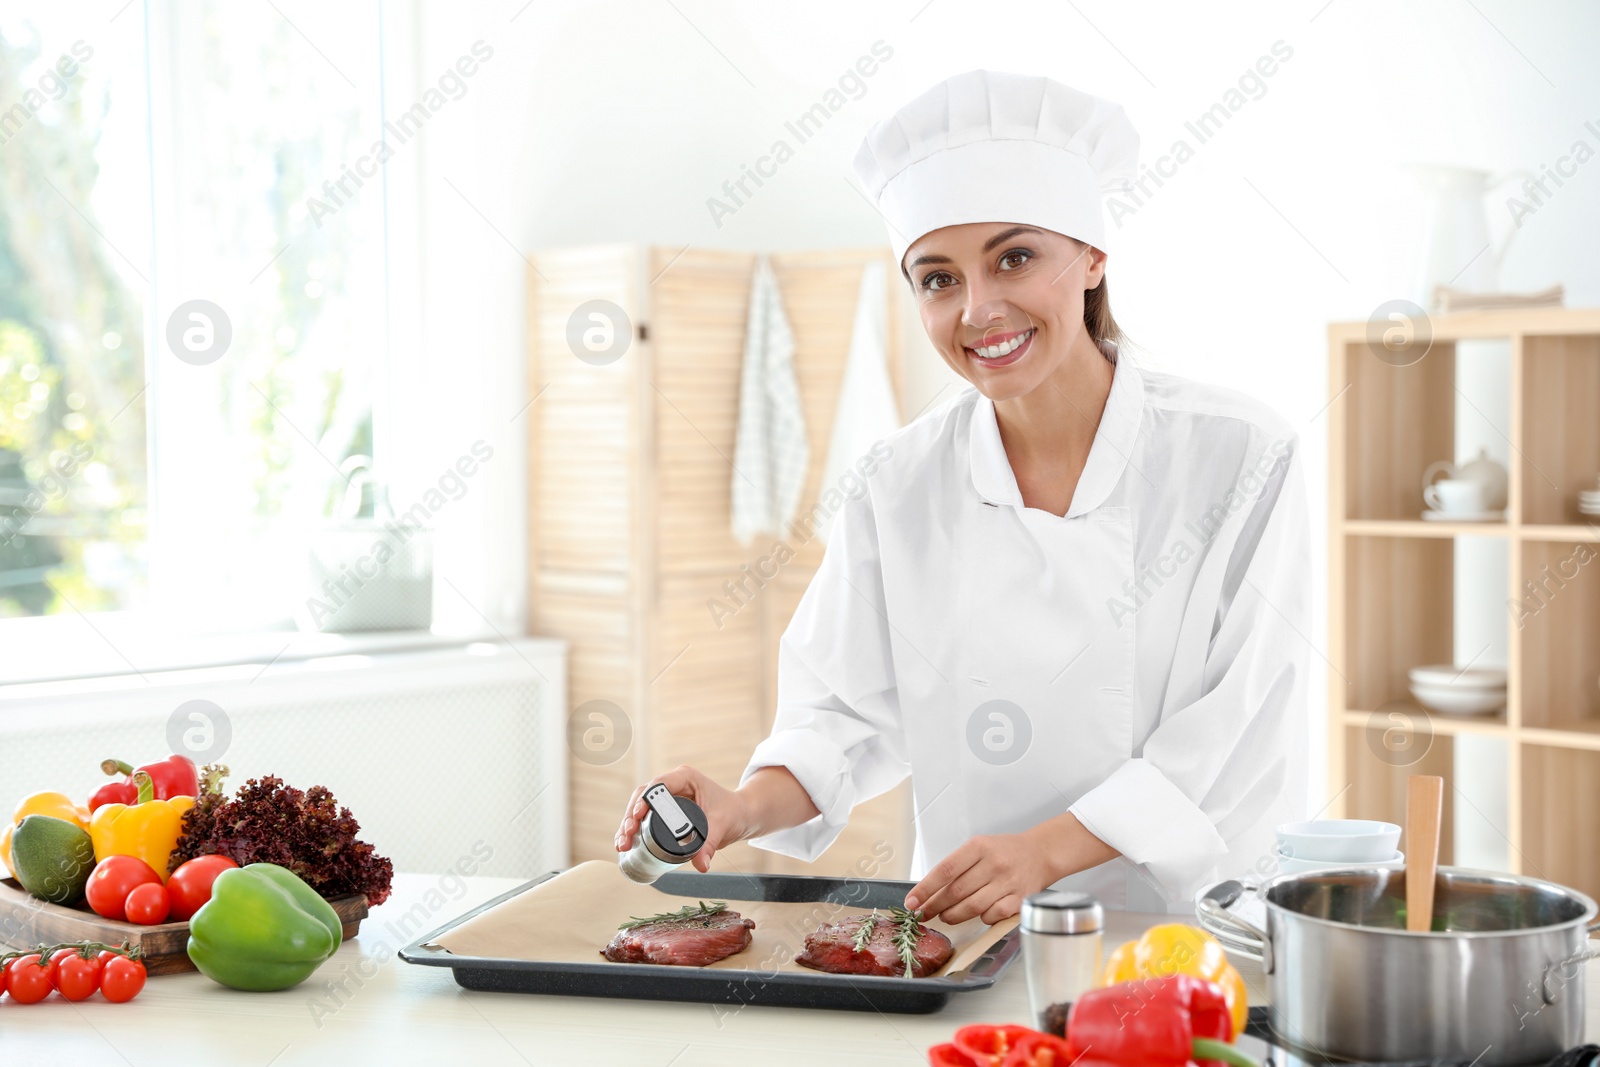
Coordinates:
(647, 981)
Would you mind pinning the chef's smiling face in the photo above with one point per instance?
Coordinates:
(1003, 303)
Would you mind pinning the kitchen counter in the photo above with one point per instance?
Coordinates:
(365, 1006)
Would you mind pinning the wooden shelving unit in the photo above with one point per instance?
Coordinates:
(1391, 580)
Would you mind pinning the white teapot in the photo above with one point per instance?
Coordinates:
(1481, 469)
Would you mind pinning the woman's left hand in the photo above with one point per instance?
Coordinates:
(986, 877)
(991, 874)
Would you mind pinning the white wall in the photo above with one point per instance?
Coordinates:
(615, 121)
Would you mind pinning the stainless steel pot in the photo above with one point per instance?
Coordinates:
(1499, 980)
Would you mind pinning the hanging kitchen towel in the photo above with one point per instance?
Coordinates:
(866, 411)
(771, 452)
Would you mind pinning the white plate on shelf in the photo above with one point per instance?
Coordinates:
(1395, 861)
(1463, 516)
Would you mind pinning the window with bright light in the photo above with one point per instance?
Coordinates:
(189, 354)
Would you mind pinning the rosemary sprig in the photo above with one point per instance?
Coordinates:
(864, 934)
(688, 911)
(907, 929)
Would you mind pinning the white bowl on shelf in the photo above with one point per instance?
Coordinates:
(1297, 865)
(1459, 700)
(1338, 841)
(1445, 674)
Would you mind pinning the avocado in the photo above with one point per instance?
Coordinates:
(53, 858)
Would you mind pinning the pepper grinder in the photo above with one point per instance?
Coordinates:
(1060, 948)
(674, 829)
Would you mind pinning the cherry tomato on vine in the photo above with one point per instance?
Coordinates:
(26, 981)
(53, 966)
(122, 979)
(78, 977)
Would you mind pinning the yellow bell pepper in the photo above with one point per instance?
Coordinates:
(55, 805)
(1174, 948)
(149, 829)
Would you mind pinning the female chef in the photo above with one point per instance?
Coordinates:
(1072, 603)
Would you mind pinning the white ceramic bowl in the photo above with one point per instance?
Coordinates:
(1445, 675)
(1454, 700)
(1338, 841)
(1296, 865)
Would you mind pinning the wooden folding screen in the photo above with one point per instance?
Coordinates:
(630, 464)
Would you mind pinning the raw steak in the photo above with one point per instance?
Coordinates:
(690, 942)
(832, 948)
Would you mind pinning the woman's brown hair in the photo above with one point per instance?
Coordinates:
(1097, 318)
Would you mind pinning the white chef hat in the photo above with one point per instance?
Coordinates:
(989, 146)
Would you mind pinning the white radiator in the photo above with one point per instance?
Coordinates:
(433, 750)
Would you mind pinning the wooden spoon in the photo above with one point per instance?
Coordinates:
(1424, 808)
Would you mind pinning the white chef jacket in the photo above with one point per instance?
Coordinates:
(1140, 661)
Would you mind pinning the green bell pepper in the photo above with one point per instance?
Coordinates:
(262, 929)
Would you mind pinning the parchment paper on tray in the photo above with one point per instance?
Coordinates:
(571, 917)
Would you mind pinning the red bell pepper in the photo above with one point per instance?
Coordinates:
(174, 776)
(1044, 1050)
(987, 1045)
(1176, 1021)
(949, 1055)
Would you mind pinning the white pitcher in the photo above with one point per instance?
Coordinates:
(1456, 247)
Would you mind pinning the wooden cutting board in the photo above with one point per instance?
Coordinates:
(26, 921)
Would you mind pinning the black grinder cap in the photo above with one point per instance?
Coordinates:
(677, 825)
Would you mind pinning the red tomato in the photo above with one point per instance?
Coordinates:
(147, 904)
(26, 981)
(988, 1044)
(78, 977)
(112, 880)
(122, 979)
(53, 965)
(190, 885)
(1041, 1050)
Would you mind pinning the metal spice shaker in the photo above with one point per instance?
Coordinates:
(1060, 947)
(674, 829)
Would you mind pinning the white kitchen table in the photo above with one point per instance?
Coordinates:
(365, 1006)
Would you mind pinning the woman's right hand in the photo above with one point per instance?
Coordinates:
(726, 814)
